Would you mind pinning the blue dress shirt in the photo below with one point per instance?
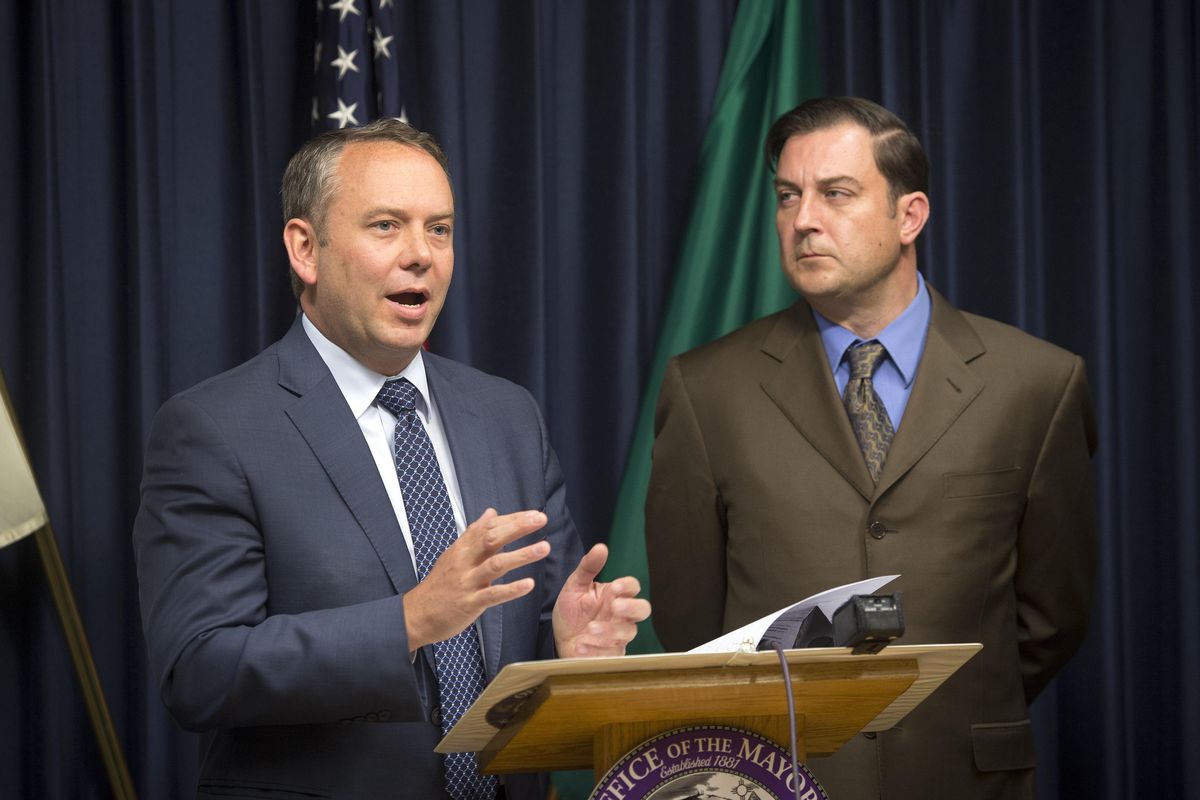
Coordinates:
(904, 340)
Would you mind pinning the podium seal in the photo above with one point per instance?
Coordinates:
(715, 762)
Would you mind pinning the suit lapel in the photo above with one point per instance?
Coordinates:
(322, 417)
(467, 434)
(804, 390)
(942, 390)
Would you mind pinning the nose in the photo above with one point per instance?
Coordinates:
(416, 254)
(805, 221)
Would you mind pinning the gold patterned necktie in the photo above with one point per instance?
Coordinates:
(868, 416)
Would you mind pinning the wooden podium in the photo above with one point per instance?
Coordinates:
(580, 713)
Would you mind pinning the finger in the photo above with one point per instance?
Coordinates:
(589, 567)
(496, 531)
(630, 609)
(496, 594)
(501, 564)
(610, 634)
(627, 586)
(589, 649)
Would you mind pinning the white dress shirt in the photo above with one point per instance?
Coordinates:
(360, 386)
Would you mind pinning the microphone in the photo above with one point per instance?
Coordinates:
(865, 622)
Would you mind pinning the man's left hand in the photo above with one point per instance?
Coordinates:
(597, 619)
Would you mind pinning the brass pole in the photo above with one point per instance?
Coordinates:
(85, 667)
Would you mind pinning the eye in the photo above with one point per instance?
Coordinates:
(785, 196)
(441, 229)
(384, 225)
(837, 194)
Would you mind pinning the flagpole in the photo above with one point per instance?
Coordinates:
(85, 667)
(77, 644)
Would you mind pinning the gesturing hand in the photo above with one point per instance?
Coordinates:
(460, 585)
(597, 619)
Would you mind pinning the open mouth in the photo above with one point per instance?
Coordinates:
(411, 299)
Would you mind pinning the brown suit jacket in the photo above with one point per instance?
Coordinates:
(759, 497)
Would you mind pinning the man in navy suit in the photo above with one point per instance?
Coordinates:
(275, 543)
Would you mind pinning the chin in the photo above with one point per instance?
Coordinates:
(405, 349)
(808, 287)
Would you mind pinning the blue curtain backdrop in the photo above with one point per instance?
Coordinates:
(142, 151)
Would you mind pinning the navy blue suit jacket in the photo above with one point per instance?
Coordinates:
(272, 571)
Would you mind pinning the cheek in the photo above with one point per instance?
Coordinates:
(783, 228)
(439, 279)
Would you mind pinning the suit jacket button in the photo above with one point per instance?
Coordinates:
(372, 717)
(384, 716)
(435, 716)
(869, 734)
(877, 529)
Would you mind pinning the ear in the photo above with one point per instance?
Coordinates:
(300, 241)
(912, 210)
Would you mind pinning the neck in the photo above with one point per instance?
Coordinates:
(869, 312)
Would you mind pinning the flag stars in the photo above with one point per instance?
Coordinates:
(381, 44)
(344, 7)
(344, 62)
(345, 114)
(347, 56)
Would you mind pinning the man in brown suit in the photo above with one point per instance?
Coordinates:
(966, 469)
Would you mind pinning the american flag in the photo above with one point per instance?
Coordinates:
(362, 63)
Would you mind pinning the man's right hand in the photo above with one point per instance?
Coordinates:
(460, 586)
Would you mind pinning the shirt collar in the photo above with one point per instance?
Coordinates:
(903, 338)
(360, 385)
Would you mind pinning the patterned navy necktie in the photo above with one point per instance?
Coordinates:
(458, 660)
(868, 416)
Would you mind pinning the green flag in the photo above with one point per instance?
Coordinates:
(728, 272)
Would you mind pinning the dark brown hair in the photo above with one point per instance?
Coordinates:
(898, 153)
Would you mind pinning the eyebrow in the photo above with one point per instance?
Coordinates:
(397, 212)
(824, 183)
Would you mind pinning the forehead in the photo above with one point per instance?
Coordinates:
(382, 171)
(843, 149)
